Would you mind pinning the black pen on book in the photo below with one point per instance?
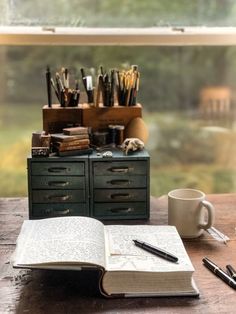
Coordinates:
(156, 251)
(219, 272)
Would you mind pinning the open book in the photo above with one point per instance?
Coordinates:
(74, 243)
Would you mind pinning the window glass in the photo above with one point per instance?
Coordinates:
(118, 13)
(188, 99)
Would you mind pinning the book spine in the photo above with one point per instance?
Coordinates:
(72, 144)
(76, 147)
(69, 139)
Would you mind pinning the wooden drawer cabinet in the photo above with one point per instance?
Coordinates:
(119, 186)
(58, 186)
(90, 185)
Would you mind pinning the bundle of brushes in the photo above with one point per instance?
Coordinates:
(128, 86)
(116, 86)
(66, 96)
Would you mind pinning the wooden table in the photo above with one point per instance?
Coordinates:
(33, 292)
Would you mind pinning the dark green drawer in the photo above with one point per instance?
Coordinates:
(118, 182)
(121, 210)
(58, 210)
(107, 168)
(120, 195)
(58, 182)
(57, 196)
(57, 168)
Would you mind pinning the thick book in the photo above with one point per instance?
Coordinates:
(75, 147)
(60, 137)
(62, 145)
(77, 243)
(75, 152)
(75, 130)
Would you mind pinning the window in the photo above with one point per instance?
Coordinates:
(187, 80)
(118, 13)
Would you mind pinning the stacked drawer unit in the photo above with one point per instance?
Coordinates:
(58, 186)
(120, 186)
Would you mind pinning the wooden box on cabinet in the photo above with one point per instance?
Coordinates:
(56, 118)
(100, 117)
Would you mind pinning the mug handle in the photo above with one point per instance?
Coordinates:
(211, 215)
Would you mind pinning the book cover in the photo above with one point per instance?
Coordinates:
(75, 130)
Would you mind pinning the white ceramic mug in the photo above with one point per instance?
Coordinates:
(186, 212)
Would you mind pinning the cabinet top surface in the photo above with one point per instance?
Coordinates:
(96, 155)
(58, 158)
(118, 154)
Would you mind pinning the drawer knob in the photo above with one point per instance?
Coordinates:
(57, 169)
(122, 210)
(52, 211)
(59, 197)
(58, 183)
(121, 169)
(121, 196)
(119, 182)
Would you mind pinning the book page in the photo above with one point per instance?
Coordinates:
(122, 254)
(61, 240)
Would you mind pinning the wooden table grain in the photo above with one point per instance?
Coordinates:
(36, 292)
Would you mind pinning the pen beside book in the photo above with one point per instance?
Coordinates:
(219, 272)
(156, 251)
(231, 271)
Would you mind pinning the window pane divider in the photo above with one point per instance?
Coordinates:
(153, 36)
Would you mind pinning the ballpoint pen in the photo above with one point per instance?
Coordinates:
(49, 91)
(156, 251)
(231, 271)
(219, 272)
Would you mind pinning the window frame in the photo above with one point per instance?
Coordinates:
(154, 36)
